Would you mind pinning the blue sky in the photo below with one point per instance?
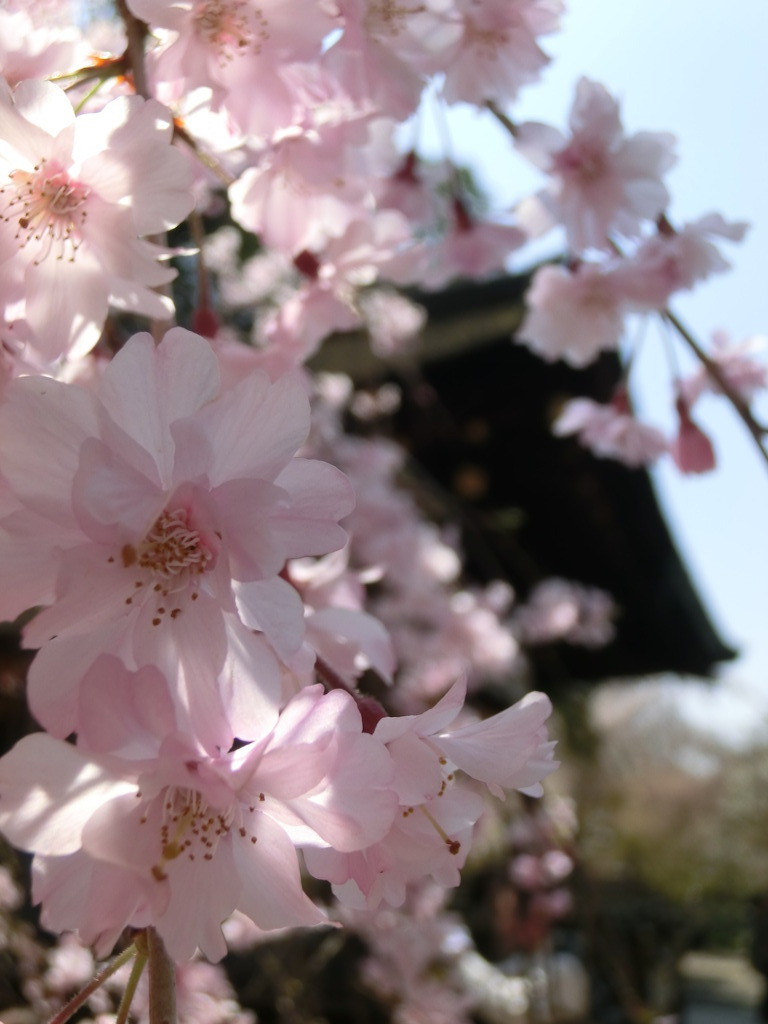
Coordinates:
(700, 72)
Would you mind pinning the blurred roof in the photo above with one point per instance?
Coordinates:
(476, 415)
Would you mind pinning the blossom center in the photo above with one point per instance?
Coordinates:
(387, 17)
(48, 207)
(577, 162)
(192, 828)
(225, 26)
(170, 548)
(486, 42)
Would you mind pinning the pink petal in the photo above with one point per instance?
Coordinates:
(271, 892)
(274, 607)
(497, 749)
(146, 389)
(250, 682)
(58, 669)
(48, 792)
(250, 431)
(43, 423)
(429, 722)
(320, 496)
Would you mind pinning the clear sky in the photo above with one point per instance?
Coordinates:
(699, 71)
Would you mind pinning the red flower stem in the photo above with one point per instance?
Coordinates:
(162, 982)
(85, 993)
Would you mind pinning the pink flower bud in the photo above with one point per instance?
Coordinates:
(692, 450)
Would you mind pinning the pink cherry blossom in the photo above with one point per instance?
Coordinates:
(673, 261)
(559, 609)
(379, 246)
(393, 321)
(36, 49)
(180, 840)
(311, 179)
(573, 314)
(601, 180)
(384, 52)
(735, 360)
(238, 49)
(494, 50)
(415, 188)
(441, 633)
(75, 195)
(438, 808)
(156, 515)
(347, 638)
(610, 430)
(472, 249)
(276, 201)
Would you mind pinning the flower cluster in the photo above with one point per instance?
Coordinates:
(155, 516)
(605, 191)
(206, 562)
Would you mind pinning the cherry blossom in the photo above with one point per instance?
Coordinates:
(672, 261)
(392, 320)
(495, 51)
(573, 314)
(473, 249)
(238, 49)
(415, 189)
(157, 514)
(610, 430)
(180, 840)
(384, 51)
(735, 360)
(601, 180)
(30, 49)
(559, 609)
(180, 531)
(438, 807)
(327, 300)
(75, 195)
(346, 637)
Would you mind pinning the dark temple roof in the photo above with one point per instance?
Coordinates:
(476, 417)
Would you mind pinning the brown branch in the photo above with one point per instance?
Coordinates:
(180, 132)
(82, 997)
(501, 117)
(720, 378)
(711, 366)
(162, 980)
(136, 33)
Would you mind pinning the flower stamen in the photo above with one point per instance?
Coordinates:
(170, 547)
(49, 208)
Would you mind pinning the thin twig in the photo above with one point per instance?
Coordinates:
(136, 33)
(180, 132)
(719, 377)
(502, 118)
(85, 993)
(711, 366)
(103, 69)
(130, 989)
